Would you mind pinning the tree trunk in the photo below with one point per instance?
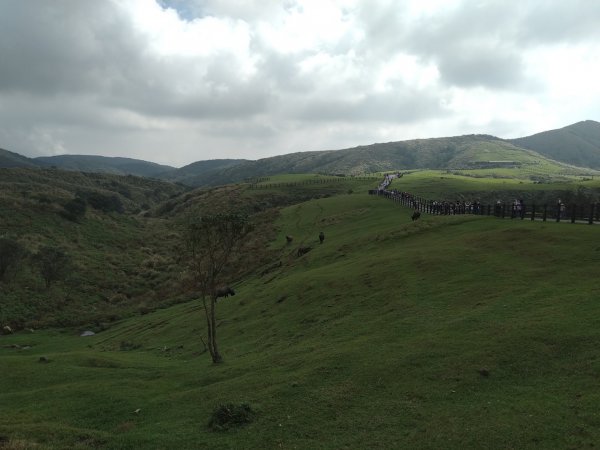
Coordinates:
(216, 356)
(208, 327)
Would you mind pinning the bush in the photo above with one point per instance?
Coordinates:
(229, 415)
(53, 263)
(102, 202)
(10, 254)
(74, 209)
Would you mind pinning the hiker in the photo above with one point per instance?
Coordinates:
(522, 208)
(560, 207)
(321, 237)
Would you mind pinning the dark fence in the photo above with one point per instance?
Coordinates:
(558, 212)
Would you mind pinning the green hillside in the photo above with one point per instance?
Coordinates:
(462, 152)
(449, 332)
(201, 173)
(566, 151)
(120, 260)
(11, 159)
(577, 144)
(104, 164)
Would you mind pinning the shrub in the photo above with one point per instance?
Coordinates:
(10, 254)
(102, 202)
(229, 415)
(74, 209)
(128, 346)
(53, 264)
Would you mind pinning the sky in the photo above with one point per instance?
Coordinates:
(179, 81)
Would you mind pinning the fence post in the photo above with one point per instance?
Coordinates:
(545, 213)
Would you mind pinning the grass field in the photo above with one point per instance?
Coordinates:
(498, 184)
(449, 332)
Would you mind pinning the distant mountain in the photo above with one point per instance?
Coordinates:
(201, 173)
(10, 159)
(436, 153)
(105, 164)
(577, 144)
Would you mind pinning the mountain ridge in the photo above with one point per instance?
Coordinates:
(582, 141)
(577, 144)
(105, 164)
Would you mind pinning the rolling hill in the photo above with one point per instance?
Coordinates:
(104, 164)
(459, 152)
(450, 332)
(577, 144)
(201, 173)
(11, 159)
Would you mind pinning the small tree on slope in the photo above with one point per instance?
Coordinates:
(214, 241)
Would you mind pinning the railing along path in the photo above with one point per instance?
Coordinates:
(589, 213)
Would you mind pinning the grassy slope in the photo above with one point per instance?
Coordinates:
(122, 262)
(372, 340)
(498, 184)
(577, 144)
(452, 152)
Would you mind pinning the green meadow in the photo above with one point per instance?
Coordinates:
(449, 332)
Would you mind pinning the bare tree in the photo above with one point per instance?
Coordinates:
(214, 241)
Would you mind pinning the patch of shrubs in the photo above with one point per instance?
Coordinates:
(102, 202)
(74, 209)
(229, 416)
(128, 346)
(11, 252)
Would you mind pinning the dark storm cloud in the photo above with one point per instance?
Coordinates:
(62, 46)
(86, 48)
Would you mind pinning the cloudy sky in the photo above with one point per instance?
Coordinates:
(177, 81)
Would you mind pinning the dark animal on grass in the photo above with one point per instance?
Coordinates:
(289, 239)
(303, 250)
(321, 237)
(223, 291)
(416, 215)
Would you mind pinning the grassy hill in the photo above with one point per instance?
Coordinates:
(11, 159)
(560, 151)
(491, 185)
(125, 248)
(449, 332)
(201, 173)
(462, 152)
(120, 260)
(577, 144)
(105, 164)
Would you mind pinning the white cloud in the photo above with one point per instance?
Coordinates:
(254, 78)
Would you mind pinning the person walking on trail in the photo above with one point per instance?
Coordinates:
(560, 207)
(321, 237)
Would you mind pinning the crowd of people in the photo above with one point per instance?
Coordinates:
(387, 180)
(445, 207)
